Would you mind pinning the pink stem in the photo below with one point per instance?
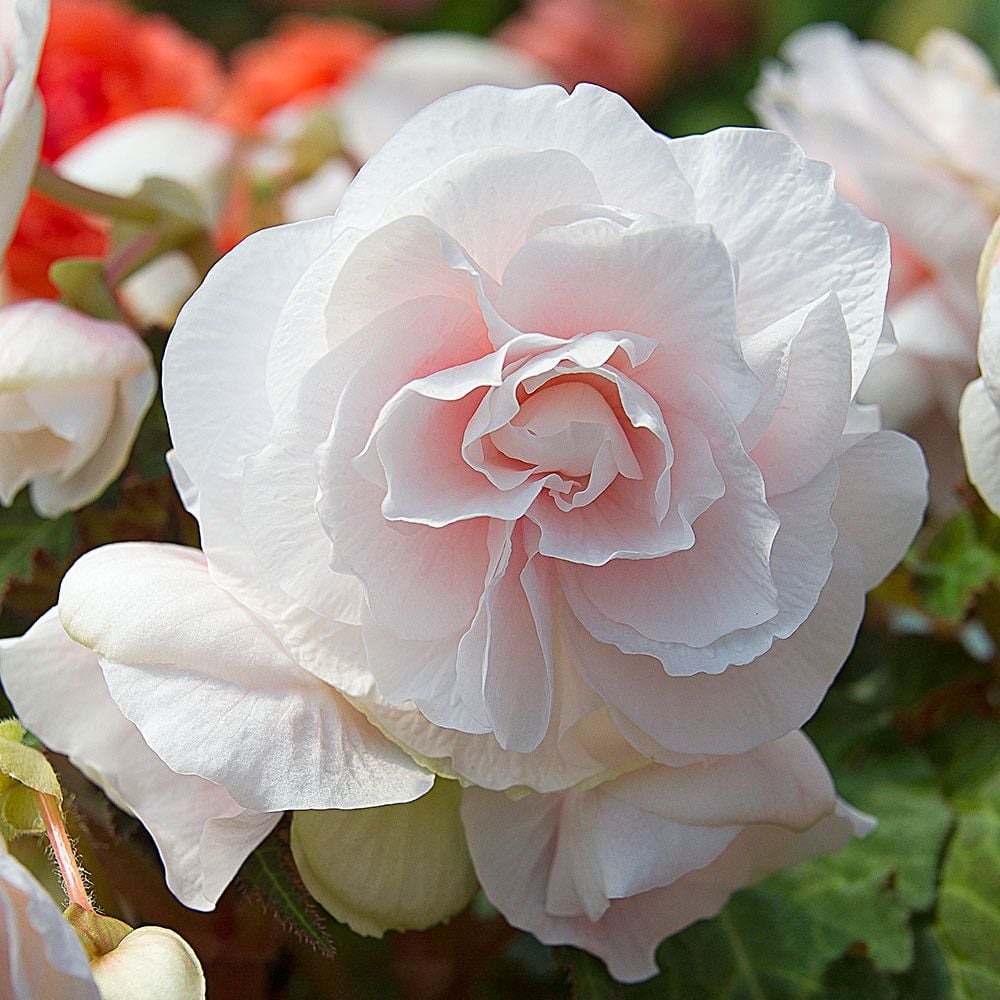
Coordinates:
(63, 850)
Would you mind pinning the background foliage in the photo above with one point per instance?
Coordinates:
(909, 730)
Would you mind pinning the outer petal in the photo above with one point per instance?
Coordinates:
(18, 158)
(214, 374)
(175, 647)
(881, 499)
(52, 495)
(40, 955)
(576, 868)
(595, 125)
(401, 867)
(812, 394)
(411, 72)
(980, 427)
(795, 239)
(217, 355)
(58, 690)
(44, 343)
(979, 417)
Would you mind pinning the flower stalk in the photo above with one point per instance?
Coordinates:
(57, 188)
(62, 848)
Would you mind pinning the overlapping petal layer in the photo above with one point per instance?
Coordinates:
(615, 868)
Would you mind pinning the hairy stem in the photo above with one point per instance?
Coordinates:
(63, 850)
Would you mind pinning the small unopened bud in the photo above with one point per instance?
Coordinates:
(151, 963)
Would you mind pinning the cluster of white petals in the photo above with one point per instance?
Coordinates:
(913, 142)
(980, 410)
(22, 32)
(73, 391)
(538, 466)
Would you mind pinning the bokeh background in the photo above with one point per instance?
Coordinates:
(700, 57)
(909, 729)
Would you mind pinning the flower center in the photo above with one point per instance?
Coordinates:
(561, 427)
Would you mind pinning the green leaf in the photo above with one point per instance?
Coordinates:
(83, 286)
(838, 926)
(24, 764)
(269, 875)
(876, 772)
(23, 535)
(958, 563)
(968, 915)
(589, 978)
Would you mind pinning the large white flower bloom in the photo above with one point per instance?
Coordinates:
(913, 142)
(73, 391)
(554, 416)
(22, 32)
(544, 452)
(980, 411)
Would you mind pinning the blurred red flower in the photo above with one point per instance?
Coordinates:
(304, 56)
(102, 61)
(634, 47)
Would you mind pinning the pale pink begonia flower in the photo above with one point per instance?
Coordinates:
(73, 391)
(22, 32)
(979, 416)
(914, 144)
(544, 453)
